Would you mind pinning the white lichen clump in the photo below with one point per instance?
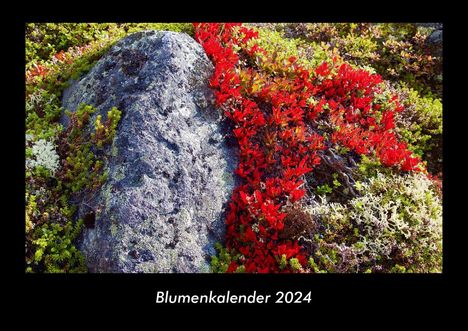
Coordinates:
(411, 211)
(392, 212)
(44, 155)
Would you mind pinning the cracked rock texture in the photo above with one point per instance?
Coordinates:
(170, 168)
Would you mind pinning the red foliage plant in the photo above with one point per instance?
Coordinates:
(274, 126)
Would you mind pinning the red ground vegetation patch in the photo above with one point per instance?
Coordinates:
(274, 108)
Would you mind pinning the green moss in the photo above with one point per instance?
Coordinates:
(82, 170)
(369, 167)
(105, 132)
(398, 269)
(43, 110)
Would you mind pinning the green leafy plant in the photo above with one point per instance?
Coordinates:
(220, 263)
(324, 189)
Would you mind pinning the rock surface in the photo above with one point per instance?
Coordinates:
(435, 39)
(435, 42)
(170, 169)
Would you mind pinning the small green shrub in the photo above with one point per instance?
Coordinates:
(308, 55)
(81, 168)
(54, 251)
(220, 263)
(104, 133)
(420, 125)
(324, 189)
(43, 110)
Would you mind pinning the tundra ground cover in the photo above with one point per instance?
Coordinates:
(288, 120)
(339, 135)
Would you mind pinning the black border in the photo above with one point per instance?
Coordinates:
(331, 291)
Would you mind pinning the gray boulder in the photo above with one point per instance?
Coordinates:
(435, 26)
(170, 168)
(435, 37)
(435, 42)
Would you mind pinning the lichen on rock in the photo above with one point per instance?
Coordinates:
(162, 206)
